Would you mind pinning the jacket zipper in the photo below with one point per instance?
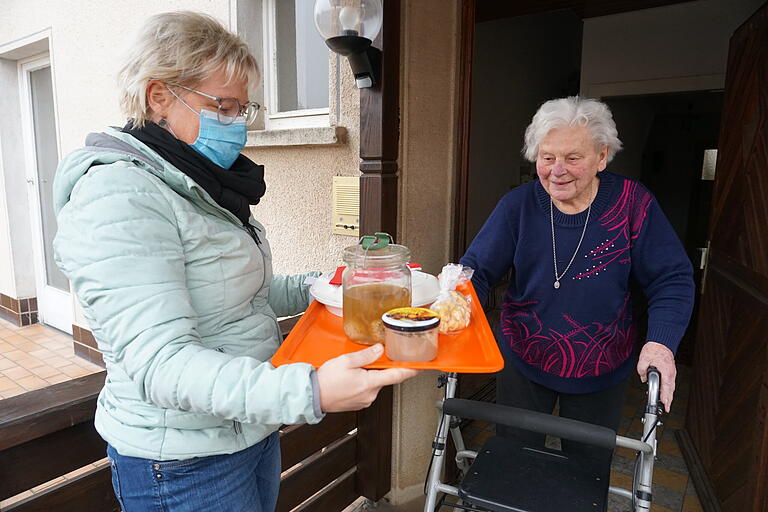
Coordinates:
(226, 214)
(251, 230)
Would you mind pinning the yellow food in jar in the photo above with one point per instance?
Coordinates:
(363, 306)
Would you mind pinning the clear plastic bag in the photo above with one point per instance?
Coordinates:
(453, 306)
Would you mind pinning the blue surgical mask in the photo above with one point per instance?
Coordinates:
(220, 143)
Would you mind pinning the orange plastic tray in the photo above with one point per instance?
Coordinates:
(319, 336)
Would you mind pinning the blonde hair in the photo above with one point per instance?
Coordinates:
(572, 111)
(183, 48)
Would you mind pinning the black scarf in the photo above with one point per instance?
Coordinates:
(234, 189)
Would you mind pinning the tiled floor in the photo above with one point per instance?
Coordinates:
(673, 490)
(33, 357)
(37, 356)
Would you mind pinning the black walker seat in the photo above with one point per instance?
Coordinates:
(534, 479)
(507, 476)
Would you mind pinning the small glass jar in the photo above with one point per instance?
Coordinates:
(375, 281)
(410, 334)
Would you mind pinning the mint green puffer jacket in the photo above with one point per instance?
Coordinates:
(182, 303)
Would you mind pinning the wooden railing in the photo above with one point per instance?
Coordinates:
(47, 433)
(307, 470)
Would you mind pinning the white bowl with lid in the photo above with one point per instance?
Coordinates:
(424, 290)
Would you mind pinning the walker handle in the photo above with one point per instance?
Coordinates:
(653, 378)
(564, 428)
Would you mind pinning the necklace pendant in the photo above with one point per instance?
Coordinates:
(557, 285)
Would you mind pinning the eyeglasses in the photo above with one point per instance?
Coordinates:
(230, 108)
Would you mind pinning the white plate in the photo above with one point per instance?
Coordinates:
(424, 286)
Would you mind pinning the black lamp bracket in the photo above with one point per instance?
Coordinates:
(364, 59)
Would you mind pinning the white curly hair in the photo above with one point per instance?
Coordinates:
(572, 111)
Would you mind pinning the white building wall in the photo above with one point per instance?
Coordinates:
(16, 269)
(86, 41)
(7, 280)
(681, 47)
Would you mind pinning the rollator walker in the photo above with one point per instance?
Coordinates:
(506, 476)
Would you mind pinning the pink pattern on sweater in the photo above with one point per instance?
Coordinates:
(585, 350)
(624, 221)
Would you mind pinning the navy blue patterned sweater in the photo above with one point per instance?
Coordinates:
(579, 338)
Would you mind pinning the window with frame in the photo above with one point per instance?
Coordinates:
(295, 66)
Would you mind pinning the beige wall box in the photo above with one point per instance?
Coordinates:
(346, 205)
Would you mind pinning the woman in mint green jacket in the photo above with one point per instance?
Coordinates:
(175, 279)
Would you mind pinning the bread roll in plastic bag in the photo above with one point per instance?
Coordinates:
(453, 306)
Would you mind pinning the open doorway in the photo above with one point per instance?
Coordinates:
(668, 140)
(515, 69)
(662, 71)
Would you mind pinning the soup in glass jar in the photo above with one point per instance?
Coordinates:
(363, 306)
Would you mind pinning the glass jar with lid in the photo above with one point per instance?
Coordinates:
(377, 279)
(410, 334)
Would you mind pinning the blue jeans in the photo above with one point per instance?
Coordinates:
(247, 480)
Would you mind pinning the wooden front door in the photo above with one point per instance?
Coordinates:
(727, 416)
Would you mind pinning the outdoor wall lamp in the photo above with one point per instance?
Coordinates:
(349, 27)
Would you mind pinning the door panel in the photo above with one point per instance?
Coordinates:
(47, 156)
(42, 156)
(729, 399)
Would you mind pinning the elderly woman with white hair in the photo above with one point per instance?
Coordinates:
(175, 279)
(573, 240)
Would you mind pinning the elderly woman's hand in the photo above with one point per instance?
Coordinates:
(346, 386)
(656, 354)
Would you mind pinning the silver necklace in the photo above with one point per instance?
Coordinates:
(554, 250)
